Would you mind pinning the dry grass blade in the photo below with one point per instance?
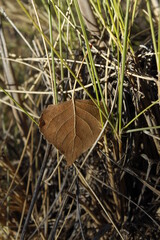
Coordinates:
(11, 82)
(72, 127)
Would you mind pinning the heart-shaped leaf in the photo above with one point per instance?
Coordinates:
(72, 127)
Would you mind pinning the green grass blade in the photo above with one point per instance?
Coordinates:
(120, 96)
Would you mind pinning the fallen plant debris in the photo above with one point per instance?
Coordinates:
(72, 127)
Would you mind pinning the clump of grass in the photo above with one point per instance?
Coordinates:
(113, 190)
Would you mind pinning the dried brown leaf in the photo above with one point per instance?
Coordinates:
(72, 127)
